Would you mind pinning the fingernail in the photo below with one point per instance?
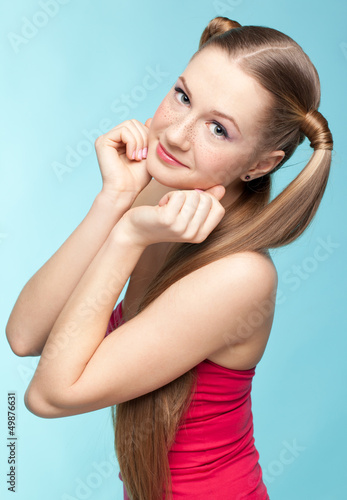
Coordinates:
(133, 157)
(144, 153)
(139, 154)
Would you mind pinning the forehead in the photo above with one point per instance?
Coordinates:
(218, 82)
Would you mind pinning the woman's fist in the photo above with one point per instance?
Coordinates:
(121, 154)
(181, 216)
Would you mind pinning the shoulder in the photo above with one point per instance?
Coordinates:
(240, 287)
(243, 269)
(254, 276)
(254, 267)
(240, 277)
(254, 273)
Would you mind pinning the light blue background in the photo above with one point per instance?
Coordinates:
(65, 81)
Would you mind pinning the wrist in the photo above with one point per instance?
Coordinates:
(117, 201)
(124, 234)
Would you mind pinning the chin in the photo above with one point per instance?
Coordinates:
(166, 176)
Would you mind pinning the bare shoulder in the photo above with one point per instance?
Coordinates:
(246, 335)
(255, 267)
(247, 268)
(254, 275)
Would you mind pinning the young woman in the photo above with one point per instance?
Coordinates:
(190, 222)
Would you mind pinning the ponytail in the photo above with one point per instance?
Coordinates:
(316, 128)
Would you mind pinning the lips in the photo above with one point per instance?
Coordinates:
(166, 156)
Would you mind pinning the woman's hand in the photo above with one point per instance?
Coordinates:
(120, 171)
(180, 216)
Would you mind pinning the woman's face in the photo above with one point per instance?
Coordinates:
(189, 126)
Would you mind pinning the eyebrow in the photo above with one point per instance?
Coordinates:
(215, 111)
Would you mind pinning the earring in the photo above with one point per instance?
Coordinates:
(247, 177)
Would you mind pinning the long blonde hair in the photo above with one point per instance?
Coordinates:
(145, 427)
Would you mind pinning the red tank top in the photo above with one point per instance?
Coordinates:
(213, 455)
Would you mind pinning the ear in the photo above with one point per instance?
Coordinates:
(266, 164)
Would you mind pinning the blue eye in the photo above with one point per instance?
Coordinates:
(216, 124)
(224, 132)
(180, 91)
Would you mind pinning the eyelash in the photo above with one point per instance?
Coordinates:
(226, 136)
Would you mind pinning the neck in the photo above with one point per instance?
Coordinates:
(232, 193)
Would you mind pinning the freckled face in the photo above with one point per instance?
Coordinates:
(215, 149)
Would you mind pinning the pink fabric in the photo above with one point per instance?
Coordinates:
(116, 319)
(213, 455)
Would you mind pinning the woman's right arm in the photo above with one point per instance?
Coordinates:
(45, 294)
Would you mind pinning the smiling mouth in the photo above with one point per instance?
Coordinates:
(164, 155)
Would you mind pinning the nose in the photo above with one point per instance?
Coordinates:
(179, 133)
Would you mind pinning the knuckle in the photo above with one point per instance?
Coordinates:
(199, 238)
(98, 141)
(126, 128)
(218, 208)
(186, 209)
(167, 219)
(206, 199)
(190, 205)
(192, 235)
(179, 194)
(180, 227)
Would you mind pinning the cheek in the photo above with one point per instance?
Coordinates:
(164, 115)
(213, 161)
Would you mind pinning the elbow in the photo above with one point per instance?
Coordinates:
(30, 405)
(45, 405)
(38, 406)
(18, 346)
(19, 349)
